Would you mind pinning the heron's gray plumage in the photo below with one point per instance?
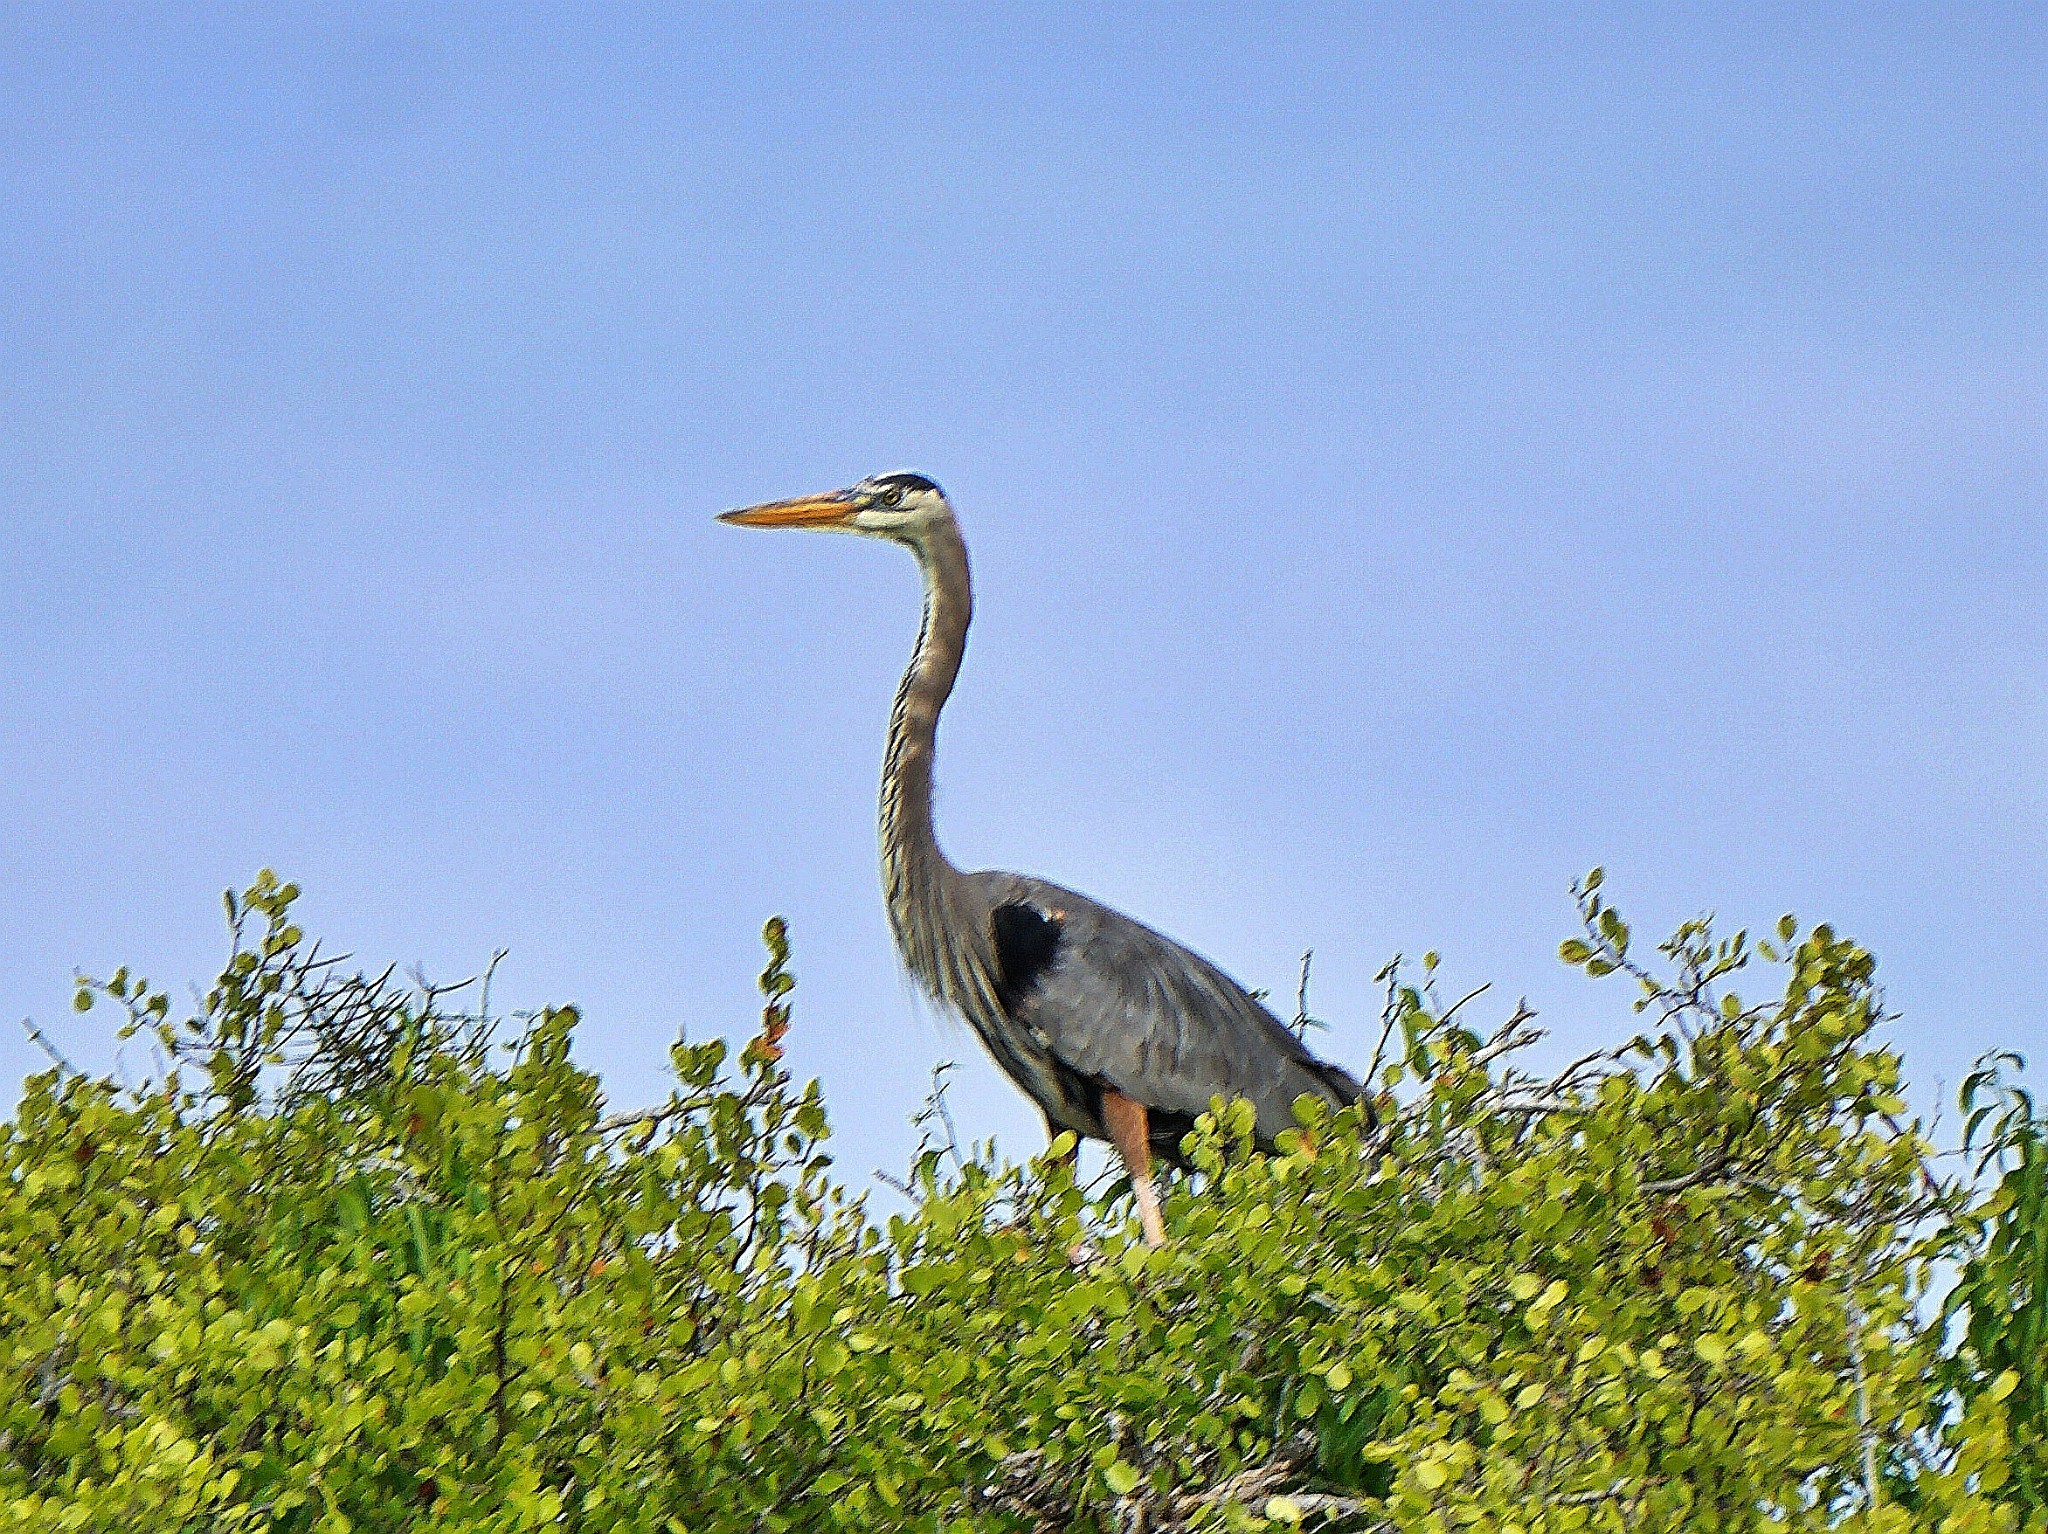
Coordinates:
(1121, 1005)
(1107, 1002)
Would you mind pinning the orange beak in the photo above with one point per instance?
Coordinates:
(832, 509)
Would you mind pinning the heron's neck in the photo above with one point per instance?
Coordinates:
(928, 901)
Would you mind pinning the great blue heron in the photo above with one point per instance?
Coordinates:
(1115, 1031)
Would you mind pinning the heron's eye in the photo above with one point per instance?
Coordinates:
(892, 497)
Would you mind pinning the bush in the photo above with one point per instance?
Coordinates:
(352, 1265)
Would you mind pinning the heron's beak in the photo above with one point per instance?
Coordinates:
(833, 509)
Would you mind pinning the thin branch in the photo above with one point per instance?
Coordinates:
(1705, 1172)
(1388, 1016)
(1479, 990)
(654, 1118)
(897, 1183)
(1302, 1020)
(42, 1042)
(1509, 1037)
(483, 1004)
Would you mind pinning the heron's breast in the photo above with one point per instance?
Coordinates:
(1063, 1095)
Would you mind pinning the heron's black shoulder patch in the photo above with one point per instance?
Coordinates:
(907, 481)
(1026, 941)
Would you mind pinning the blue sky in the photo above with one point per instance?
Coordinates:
(1410, 456)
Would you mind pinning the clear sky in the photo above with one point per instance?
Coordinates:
(1410, 455)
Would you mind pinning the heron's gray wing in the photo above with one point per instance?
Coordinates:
(1123, 1005)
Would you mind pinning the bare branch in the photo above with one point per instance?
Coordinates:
(1705, 1172)
(1478, 990)
(41, 1041)
(654, 1118)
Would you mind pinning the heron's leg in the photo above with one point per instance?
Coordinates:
(1124, 1118)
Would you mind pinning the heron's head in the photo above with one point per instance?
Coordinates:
(903, 507)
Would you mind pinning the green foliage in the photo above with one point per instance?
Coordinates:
(2002, 1292)
(352, 1265)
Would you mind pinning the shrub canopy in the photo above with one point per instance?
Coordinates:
(352, 1263)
